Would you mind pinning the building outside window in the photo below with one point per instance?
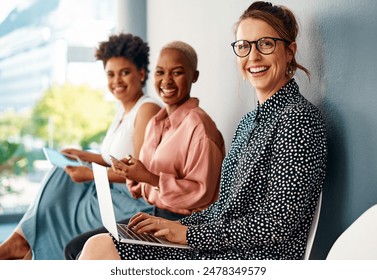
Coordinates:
(44, 45)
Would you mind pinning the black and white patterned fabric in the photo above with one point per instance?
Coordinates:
(271, 180)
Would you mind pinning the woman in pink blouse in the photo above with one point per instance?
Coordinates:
(180, 161)
(179, 165)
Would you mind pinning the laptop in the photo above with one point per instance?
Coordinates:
(120, 231)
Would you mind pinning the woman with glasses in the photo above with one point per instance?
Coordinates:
(273, 174)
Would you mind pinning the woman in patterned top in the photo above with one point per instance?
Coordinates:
(272, 176)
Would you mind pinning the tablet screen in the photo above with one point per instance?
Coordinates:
(58, 159)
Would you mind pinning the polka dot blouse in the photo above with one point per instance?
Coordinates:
(271, 179)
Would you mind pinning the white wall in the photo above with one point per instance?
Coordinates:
(208, 27)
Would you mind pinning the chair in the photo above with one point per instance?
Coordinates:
(358, 241)
(313, 229)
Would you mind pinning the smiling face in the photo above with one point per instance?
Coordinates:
(266, 73)
(124, 80)
(173, 78)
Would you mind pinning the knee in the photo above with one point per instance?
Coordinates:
(98, 241)
(97, 247)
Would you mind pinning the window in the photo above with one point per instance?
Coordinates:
(44, 46)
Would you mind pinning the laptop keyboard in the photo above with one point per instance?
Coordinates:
(129, 233)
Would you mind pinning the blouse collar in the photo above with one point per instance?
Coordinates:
(179, 114)
(277, 102)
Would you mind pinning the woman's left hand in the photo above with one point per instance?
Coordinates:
(79, 174)
(172, 231)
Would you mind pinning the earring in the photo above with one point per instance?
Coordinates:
(289, 70)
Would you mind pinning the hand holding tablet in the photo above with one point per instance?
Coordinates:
(61, 160)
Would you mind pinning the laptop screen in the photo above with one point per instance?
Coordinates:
(104, 199)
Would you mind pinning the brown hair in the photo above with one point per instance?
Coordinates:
(127, 46)
(281, 19)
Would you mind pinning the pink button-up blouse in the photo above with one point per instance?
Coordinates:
(186, 150)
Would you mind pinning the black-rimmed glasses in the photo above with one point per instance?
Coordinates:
(265, 45)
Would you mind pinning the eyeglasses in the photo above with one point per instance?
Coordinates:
(265, 45)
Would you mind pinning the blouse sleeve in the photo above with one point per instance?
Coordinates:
(200, 217)
(199, 186)
(207, 215)
(297, 172)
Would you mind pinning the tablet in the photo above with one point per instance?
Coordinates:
(60, 160)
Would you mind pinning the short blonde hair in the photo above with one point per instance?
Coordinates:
(186, 49)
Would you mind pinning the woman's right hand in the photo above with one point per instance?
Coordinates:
(135, 170)
(120, 166)
(173, 231)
